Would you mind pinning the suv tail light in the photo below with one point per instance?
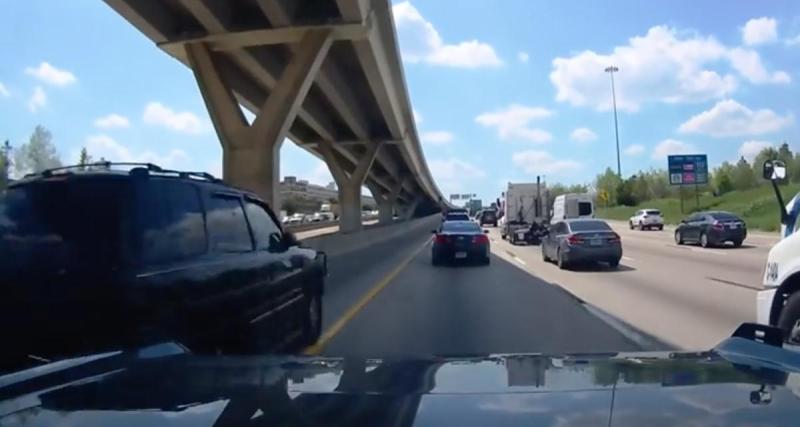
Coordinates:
(440, 238)
(614, 238)
(716, 225)
(574, 239)
(480, 239)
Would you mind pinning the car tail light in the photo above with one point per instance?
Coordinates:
(480, 239)
(717, 226)
(439, 238)
(614, 238)
(574, 239)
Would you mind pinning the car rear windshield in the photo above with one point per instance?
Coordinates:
(652, 212)
(724, 216)
(455, 227)
(62, 225)
(489, 214)
(589, 226)
(458, 217)
(584, 208)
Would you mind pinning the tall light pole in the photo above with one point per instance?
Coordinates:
(611, 70)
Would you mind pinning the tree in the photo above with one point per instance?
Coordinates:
(624, 192)
(722, 178)
(608, 181)
(743, 177)
(38, 154)
(85, 158)
(5, 164)
(640, 188)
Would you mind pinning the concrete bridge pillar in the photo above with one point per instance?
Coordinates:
(349, 182)
(386, 201)
(251, 152)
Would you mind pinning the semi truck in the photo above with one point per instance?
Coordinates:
(525, 212)
(779, 303)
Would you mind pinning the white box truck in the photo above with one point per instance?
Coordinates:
(526, 214)
(572, 205)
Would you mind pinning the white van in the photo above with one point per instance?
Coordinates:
(572, 205)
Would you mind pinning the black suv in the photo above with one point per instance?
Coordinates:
(488, 217)
(94, 259)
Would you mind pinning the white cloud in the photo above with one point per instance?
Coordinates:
(665, 65)
(103, 146)
(513, 121)
(321, 174)
(452, 174)
(634, 149)
(112, 120)
(523, 56)
(156, 113)
(51, 75)
(794, 41)
(759, 31)
(541, 162)
(729, 118)
(37, 100)
(439, 137)
(750, 149)
(420, 42)
(582, 135)
(3, 91)
(748, 63)
(417, 116)
(672, 146)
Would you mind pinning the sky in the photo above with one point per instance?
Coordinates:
(501, 90)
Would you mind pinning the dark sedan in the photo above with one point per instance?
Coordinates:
(711, 229)
(460, 240)
(575, 241)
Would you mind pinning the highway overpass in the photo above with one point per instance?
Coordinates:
(325, 74)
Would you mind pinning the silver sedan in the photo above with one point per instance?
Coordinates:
(574, 241)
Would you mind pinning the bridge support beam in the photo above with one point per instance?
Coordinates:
(408, 210)
(251, 152)
(386, 201)
(349, 183)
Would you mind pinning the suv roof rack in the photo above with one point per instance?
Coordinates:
(138, 168)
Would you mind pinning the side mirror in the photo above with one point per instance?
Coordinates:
(485, 231)
(683, 221)
(289, 239)
(774, 170)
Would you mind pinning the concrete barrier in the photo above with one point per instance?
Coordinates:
(339, 244)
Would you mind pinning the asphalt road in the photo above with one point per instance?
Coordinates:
(686, 296)
(402, 305)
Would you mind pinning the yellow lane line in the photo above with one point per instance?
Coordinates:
(351, 312)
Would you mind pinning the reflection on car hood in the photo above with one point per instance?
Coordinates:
(725, 387)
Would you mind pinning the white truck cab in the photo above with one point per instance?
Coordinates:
(779, 303)
(572, 205)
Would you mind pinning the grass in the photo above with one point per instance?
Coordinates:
(757, 207)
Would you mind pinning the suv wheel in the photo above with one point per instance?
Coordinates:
(789, 321)
(562, 263)
(678, 237)
(312, 318)
(630, 224)
(641, 226)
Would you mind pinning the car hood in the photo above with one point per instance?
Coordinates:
(739, 383)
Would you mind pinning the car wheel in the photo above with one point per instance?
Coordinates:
(562, 263)
(487, 260)
(630, 224)
(678, 237)
(614, 263)
(435, 260)
(312, 321)
(641, 227)
(545, 258)
(737, 243)
(704, 240)
(661, 227)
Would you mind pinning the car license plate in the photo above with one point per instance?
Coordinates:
(461, 255)
(596, 242)
(733, 226)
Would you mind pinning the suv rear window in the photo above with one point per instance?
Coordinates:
(584, 208)
(59, 225)
(652, 212)
(489, 215)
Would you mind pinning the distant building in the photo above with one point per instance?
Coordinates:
(292, 188)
